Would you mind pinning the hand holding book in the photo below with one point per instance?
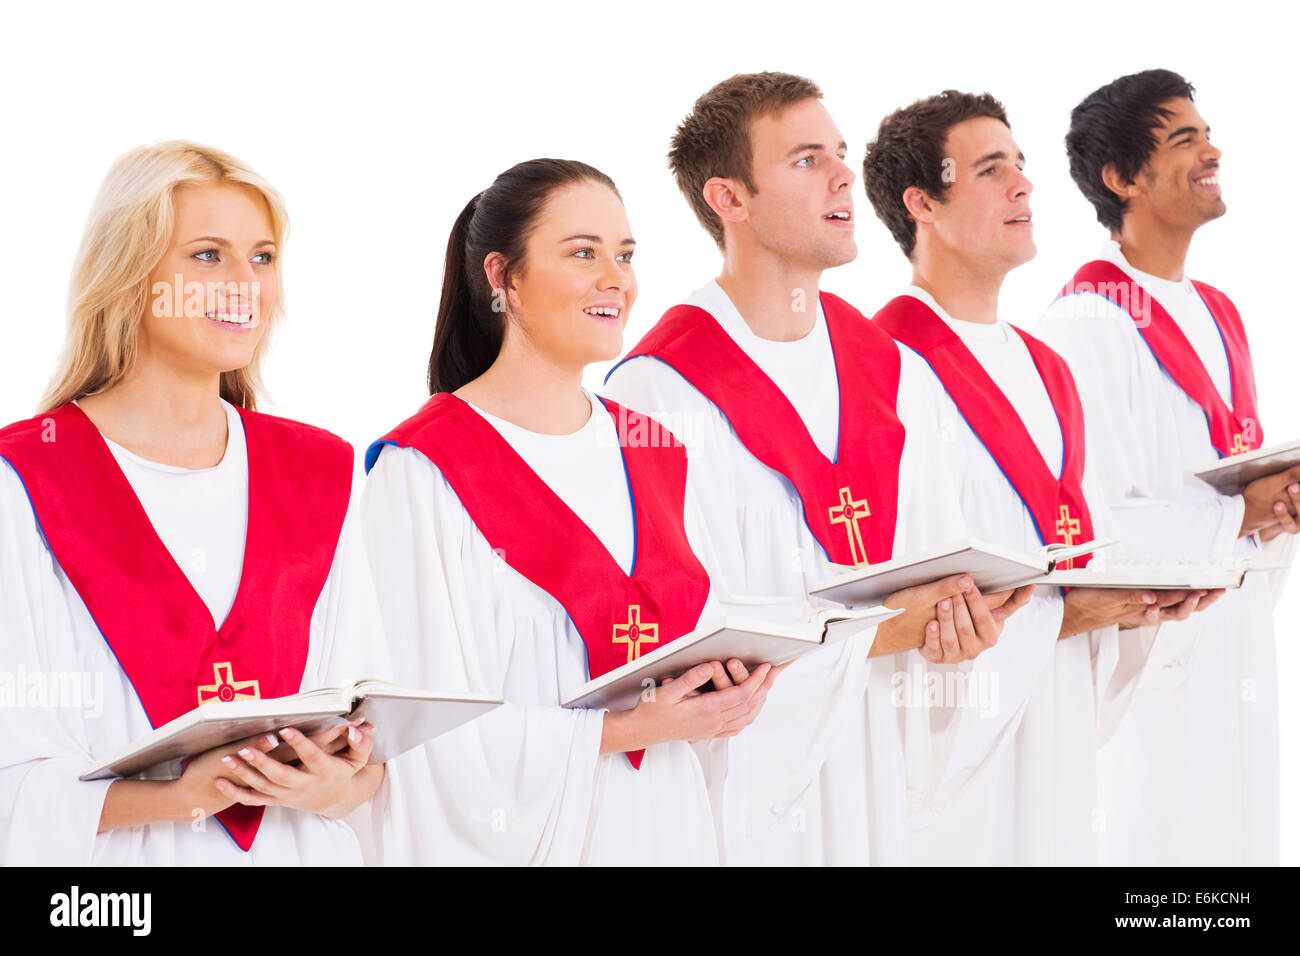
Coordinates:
(674, 710)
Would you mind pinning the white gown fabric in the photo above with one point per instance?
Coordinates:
(525, 783)
(820, 777)
(1188, 769)
(1014, 731)
(74, 703)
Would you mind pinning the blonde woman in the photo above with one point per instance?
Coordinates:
(163, 544)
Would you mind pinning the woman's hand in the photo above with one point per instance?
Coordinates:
(675, 710)
(319, 783)
(197, 788)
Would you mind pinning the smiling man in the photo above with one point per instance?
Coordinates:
(1189, 767)
(1014, 785)
(803, 427)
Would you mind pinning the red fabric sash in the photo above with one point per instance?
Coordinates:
(1057, 506)
(850, 505)
(619, 616)
(1232, 430)
(161, 632)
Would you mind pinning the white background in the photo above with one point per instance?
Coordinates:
(378, 123)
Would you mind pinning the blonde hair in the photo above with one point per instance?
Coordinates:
(129, 230)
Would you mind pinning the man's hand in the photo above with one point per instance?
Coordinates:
(1087, 609)
(1272, 500)
(947, 620)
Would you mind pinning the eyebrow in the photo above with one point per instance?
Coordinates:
(991, 157)
(218, 241)
(813, 148)
(625, 242)
(1185, 130)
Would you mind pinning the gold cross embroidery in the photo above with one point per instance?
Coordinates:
(1067, 527)
(634, 633)
(1238, 446)
(225, 688)
(848, 512)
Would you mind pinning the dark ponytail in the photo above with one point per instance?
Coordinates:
(468, 334)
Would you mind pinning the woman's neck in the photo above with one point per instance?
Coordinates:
(530, 389)
(163, 416)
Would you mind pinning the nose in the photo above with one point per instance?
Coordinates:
(1021, 187)
(616, 276)
(238, 279)
(1210, 153)
(842, 175)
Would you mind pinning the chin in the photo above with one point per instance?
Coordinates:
(837, 256)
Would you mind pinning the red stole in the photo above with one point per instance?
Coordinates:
(1232, 430)
(850, 505)
(1057, 506)
(299, 481)
(619, 616)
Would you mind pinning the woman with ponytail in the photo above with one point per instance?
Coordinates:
(524, 541)
(162, 544)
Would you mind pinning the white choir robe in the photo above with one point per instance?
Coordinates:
(820, 776)
(48, 816)
(526, 783)
(1188, 767)
(1014, 734)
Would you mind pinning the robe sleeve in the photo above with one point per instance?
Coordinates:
(46, 814)
(514, 786)
(984, 699)
(1103, 349)
(349, 629)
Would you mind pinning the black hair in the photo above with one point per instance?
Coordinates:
(1116, 124)
(469, 330)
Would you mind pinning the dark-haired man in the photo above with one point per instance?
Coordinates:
(800, 420)
(1189, 769)
(1015, 785)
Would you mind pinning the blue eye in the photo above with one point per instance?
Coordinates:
(205, 252)
(806, 159)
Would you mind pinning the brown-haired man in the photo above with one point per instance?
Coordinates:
(798, 416)
(1017, 785)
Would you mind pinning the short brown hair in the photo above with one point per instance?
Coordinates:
(713, 140)
(908, 151)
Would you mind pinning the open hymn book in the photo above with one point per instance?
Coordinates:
(404, 718)
(997, 569)
(752, 642)
(992, 568)
(1230, 475)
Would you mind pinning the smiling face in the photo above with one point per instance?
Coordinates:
(1180, 183)
(985, 215)
(211, 319)
(803, 208)
(573, 292)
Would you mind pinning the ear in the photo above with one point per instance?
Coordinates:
(1121, 187)
(919, 204)
(494, 266)
(727, 198)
